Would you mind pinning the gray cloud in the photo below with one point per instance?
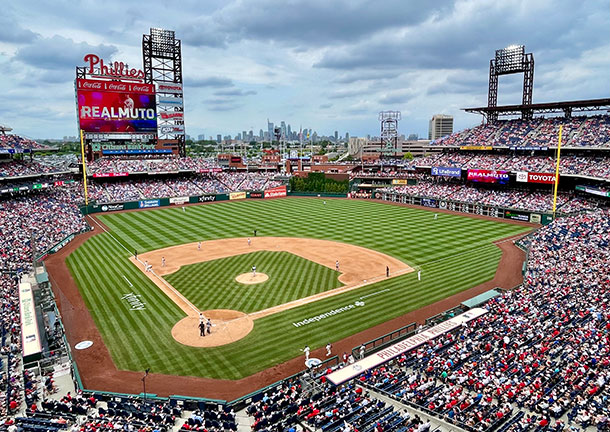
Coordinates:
(307, 23)
(208, 82)
(58, 52)
(12, 32)
(325, 106)
(234, 92)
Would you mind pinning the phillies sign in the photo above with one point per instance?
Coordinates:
(115, 69)
(531, 177)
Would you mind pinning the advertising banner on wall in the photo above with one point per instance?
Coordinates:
(276, 192)
(171, 115)
(400, 182)
(110, 174)
(488, 176)
(175, 88)
(532, 177)
(179, 200)
(149, 203)
(207, 198)
(237, 195)
(446, 171)
(30, 338)
(171, 101)
(110, 106)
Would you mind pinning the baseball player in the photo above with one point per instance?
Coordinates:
(418, 275)
(328, 348)
(202, 329)
(162, 261)
(435, 216)
(208, 326)
(253, 271)
(183, 209)
(201, 319)
(362, 348)
(387, 271)
(306, 351)
(249, 241)
(337, 265)
(199, 246)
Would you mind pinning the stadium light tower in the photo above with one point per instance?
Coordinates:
(511, 60)
(389, 131)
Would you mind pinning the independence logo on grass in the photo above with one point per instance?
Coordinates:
(328, 314)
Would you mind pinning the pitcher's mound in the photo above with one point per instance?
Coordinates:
(249, 279)
(227, 326)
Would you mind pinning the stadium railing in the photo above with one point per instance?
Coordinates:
(381, 342)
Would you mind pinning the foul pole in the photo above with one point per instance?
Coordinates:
(82, 153)
(557, 171)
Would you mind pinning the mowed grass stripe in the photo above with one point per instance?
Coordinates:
(212, 285)
(454, 253)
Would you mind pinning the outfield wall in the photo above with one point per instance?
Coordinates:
(277, 192)
(463, 207)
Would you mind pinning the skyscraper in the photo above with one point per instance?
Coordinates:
(270, 130)
(440, 125)
(218, 138)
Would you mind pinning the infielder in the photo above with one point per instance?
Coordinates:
(337, 265)
(249, 241)
(162, 261)
(199, 246)
(306, 351)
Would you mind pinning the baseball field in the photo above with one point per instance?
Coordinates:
(136, 314)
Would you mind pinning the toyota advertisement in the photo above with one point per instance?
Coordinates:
(488, 176)
(534, 177)
(111, 106)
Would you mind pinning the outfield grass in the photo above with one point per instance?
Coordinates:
(212, 285)
(454, 253)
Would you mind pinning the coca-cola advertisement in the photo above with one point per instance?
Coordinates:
(113, 106)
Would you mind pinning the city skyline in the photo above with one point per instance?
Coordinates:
(330, 67)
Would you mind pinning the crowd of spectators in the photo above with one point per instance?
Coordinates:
(540, 132)
(344, 408)
(44, 218)
(18, 142)
(142, 165)
(510, 198)
(37, 166)
(593, 166)
(542, 349)
(225, 182)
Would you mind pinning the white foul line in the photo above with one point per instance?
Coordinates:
(375, 293)
(127, 281)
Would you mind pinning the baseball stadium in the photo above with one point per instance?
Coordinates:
(464, 287)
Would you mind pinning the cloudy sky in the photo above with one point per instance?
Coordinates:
(323, 64)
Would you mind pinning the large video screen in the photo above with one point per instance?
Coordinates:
(488, 176)
(111, 106)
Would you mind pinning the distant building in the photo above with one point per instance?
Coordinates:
(356, 145)
(440, 125)
(218, 138)
(201, 137)
(413, 137)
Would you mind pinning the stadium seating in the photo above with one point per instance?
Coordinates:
(578, 132)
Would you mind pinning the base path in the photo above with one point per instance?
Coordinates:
(358, 266)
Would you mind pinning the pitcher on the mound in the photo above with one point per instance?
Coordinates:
(253, 271)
